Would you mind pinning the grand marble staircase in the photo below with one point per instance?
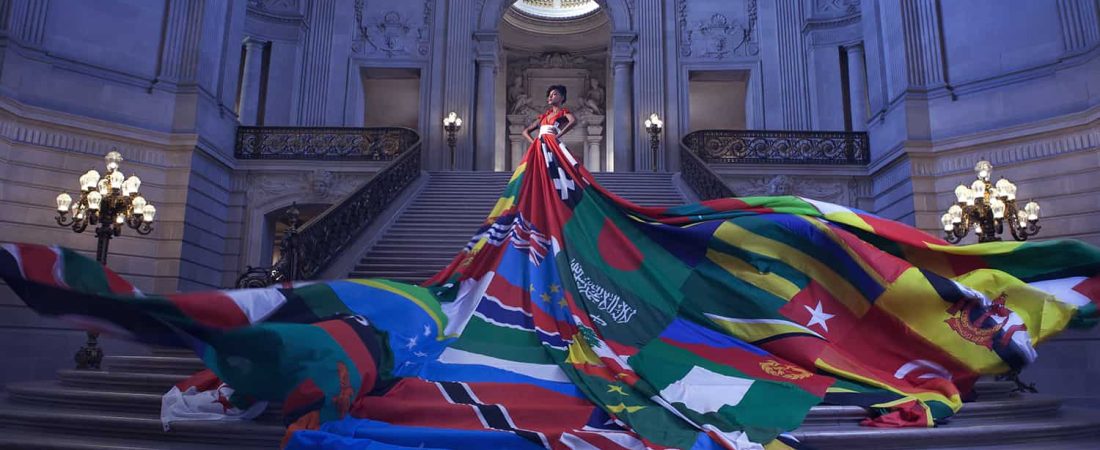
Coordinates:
(118, 408)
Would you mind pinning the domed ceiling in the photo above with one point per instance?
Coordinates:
(556, 9)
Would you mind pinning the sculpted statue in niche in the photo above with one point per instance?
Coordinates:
(593, 99)
(517, 95)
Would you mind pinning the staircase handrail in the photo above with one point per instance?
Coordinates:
(779, 146)
(706, 183)
(308, 250)
(324, 143)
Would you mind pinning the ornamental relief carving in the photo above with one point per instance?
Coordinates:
(838, 191)
(321, 185)
(275, 6)
(717, 35)
(392, 33)
(835, 8)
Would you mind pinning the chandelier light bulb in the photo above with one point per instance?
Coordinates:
(961, 193)
(1021, 218)
(998, 208)
(983, 169)
(117, 177)
(977, 229)
(94, 199)
(956, 213)
(64, 201)
(113, 159)
(149, 213)
(948, 222)
(978, 188)
(458, 122)
(104, 187)
(1006, 189)
(1032, 209)
(138, 204)
(119, 219)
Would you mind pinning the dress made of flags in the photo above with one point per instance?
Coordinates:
(576, 319)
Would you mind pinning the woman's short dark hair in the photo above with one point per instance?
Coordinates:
(559, 88)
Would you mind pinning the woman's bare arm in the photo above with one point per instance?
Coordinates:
(571, 122)
(527, 131)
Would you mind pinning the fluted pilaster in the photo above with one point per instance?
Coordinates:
(795, 93)
(923, 42)
(316, 59)
(651, 78)
(28, 20)
(460, 72)
(1080, 24)
(179, 60)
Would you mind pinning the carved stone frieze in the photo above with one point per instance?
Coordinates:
(320, 185)
(284, 7)
(392, 33)
(716, 35)
(835, 8)
(841, 191)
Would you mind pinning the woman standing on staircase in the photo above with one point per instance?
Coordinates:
(556, 120)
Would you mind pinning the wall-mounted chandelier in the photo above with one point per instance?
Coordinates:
(987, 209)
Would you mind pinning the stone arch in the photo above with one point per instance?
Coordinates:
(493, 10)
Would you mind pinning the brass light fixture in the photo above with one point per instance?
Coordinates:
(654, 125)
(451, 124)
(987, 209)
(107, 203)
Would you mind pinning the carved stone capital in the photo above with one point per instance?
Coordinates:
(622, 47)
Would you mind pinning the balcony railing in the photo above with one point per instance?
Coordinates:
(779, 147)
(324, 143)
(308, 250)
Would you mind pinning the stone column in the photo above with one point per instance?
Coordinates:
(488, 53)
(622, 61)
(249, 108)
(857, 87)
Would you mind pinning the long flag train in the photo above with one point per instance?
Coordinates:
(576, 319)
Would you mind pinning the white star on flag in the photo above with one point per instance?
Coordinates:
(818, 316)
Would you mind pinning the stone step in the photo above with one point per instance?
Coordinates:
(43, 393)
(29, 440)
(133, 382)
(174, 365)
(96, 424)
(825, 416)
(1068, 425)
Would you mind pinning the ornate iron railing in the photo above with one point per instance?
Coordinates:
(779, 147)
(706, 184)
(308, 250)
(322, 143)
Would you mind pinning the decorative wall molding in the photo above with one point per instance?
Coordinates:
(391, 33)
(26, 125)
(717, 36)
